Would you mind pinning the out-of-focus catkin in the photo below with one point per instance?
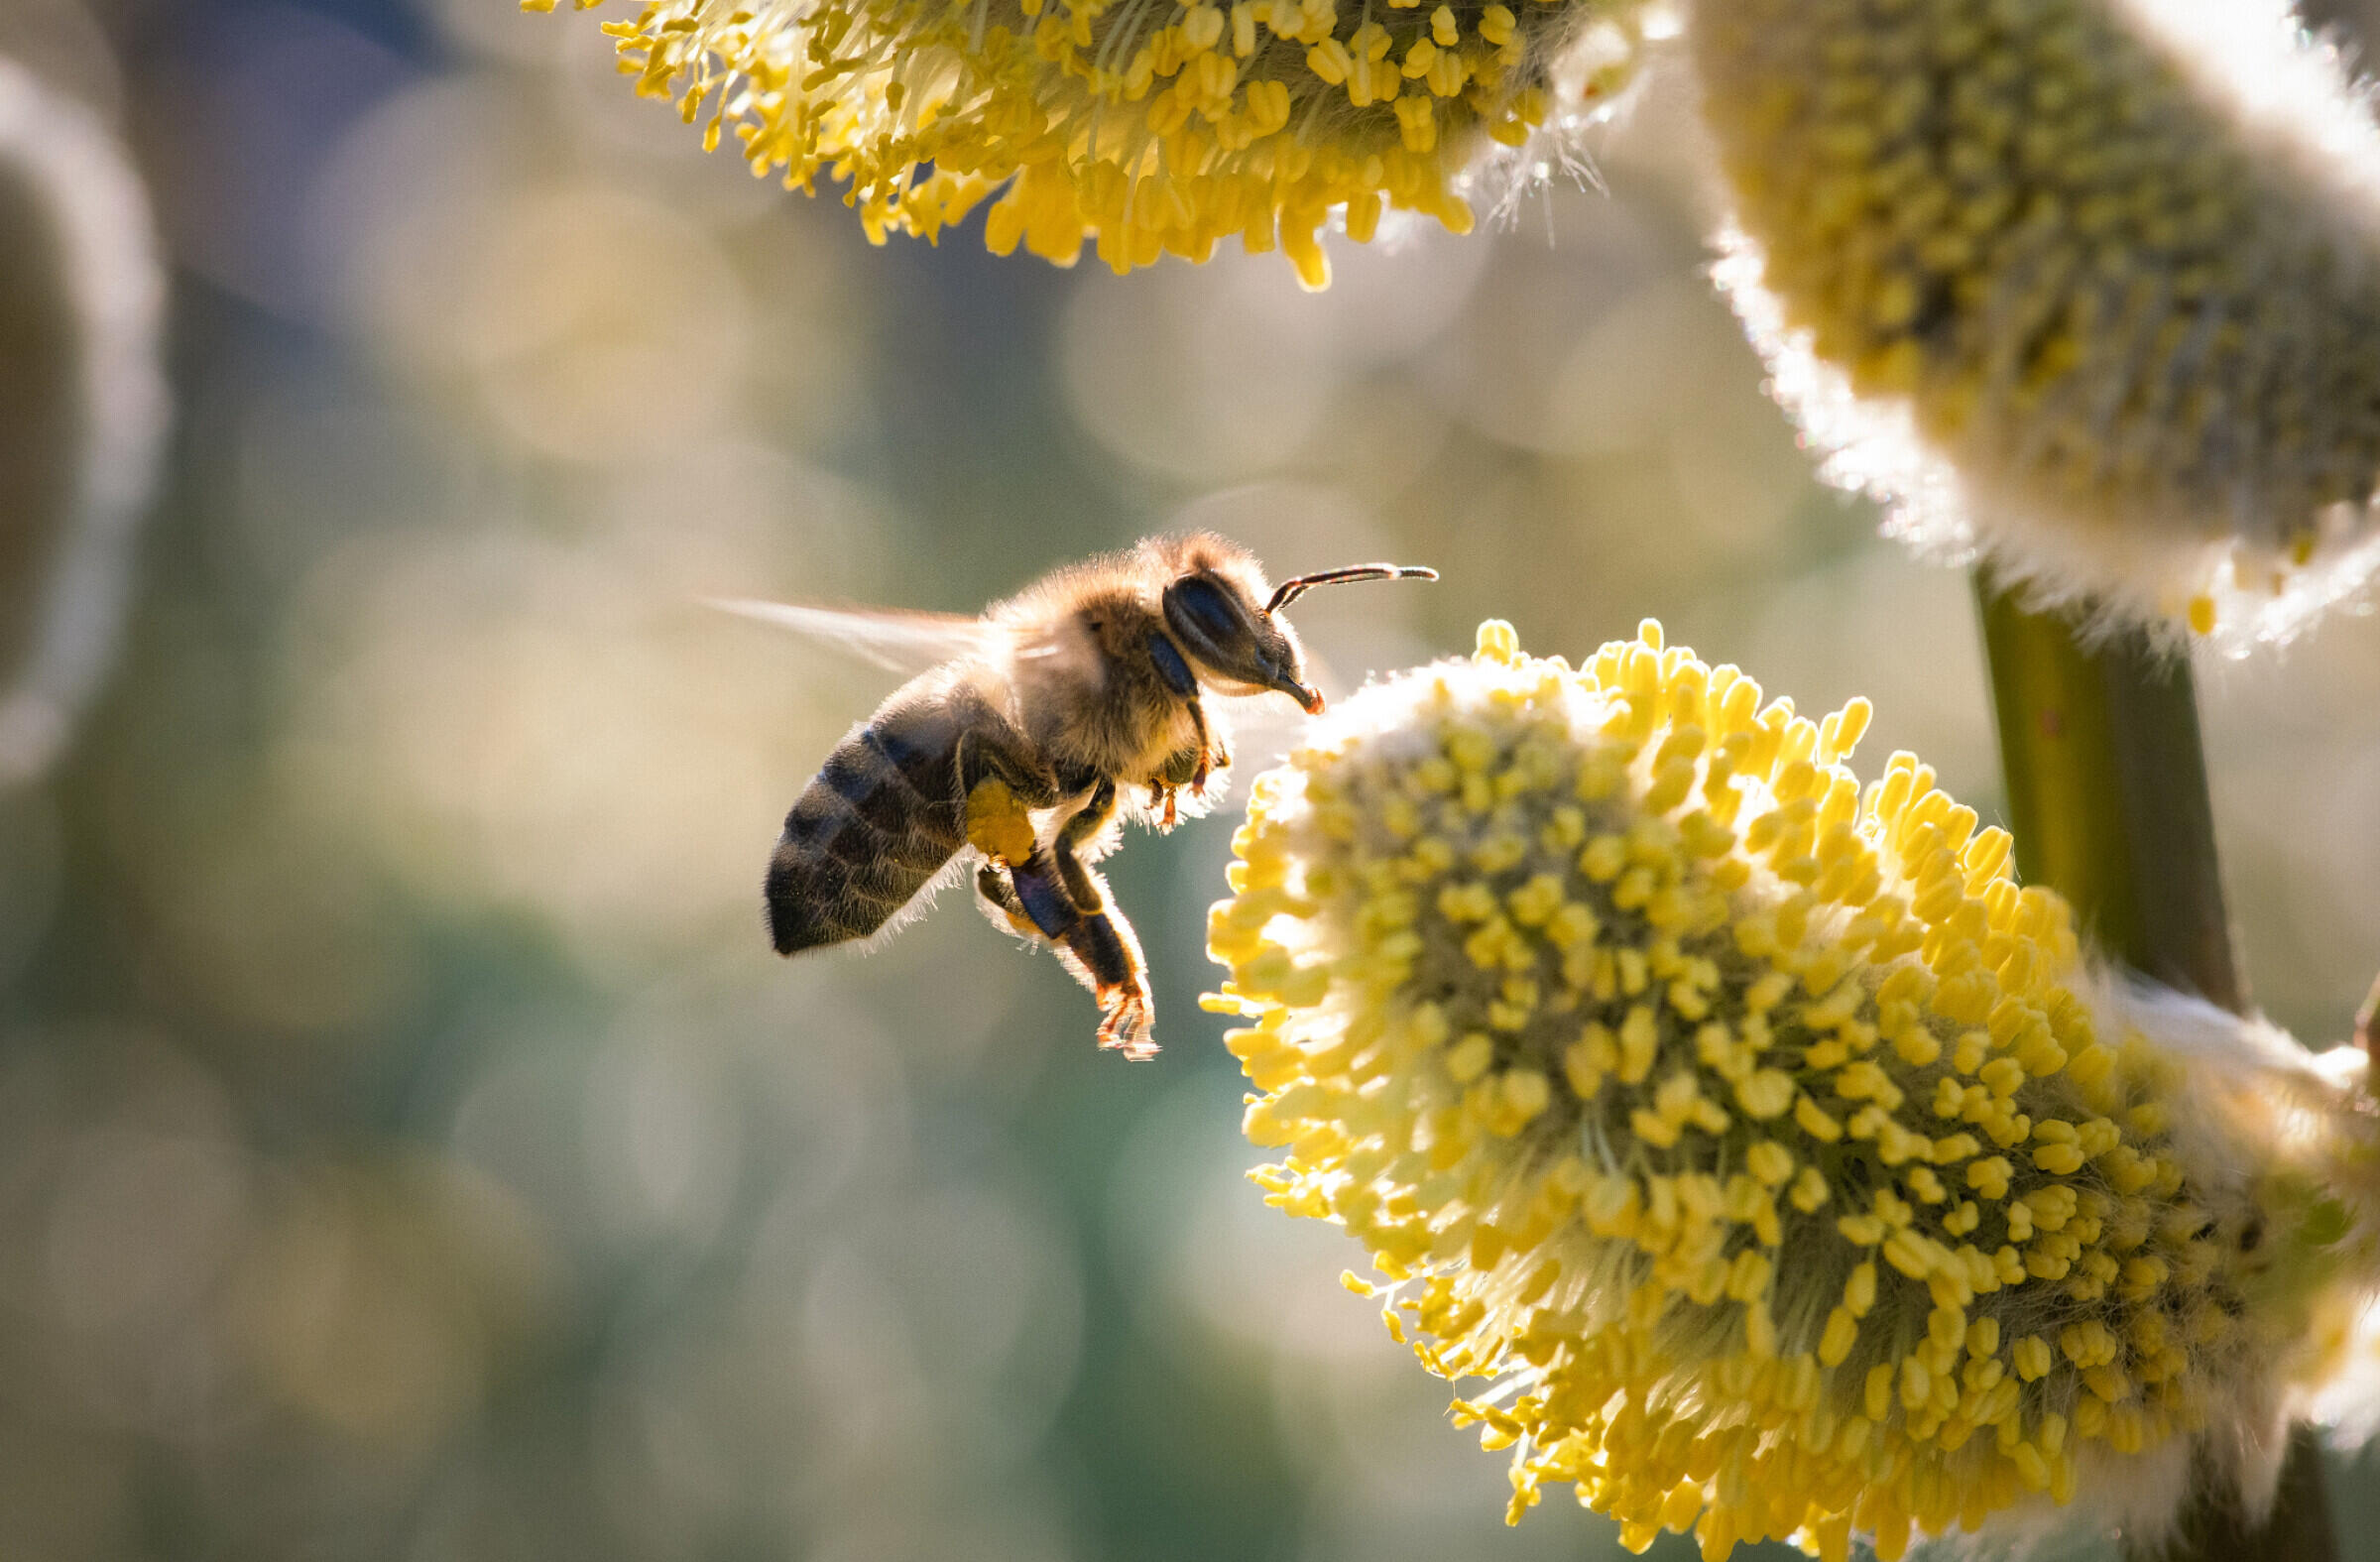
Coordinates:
(1779, 1162)
(83, 407)
(2092, 284)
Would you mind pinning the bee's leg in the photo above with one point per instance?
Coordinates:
(1044, 898)
(1086, 822)
(1193, 765)
(1167, 658)
(1098, 944)
(1108, 951)
(1184, 767)
(993, 885)
(998, 786)
(989, 749)
(1208, 754)
(1001, 784)
(1210, 757)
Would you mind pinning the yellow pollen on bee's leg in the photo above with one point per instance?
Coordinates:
(998, 825)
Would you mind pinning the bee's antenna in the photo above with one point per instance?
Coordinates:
(1289, 591)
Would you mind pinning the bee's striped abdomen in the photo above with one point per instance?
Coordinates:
(872, 828)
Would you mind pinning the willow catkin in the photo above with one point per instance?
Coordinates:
(1142, 127)
(1781, 1164)
(2092, 286)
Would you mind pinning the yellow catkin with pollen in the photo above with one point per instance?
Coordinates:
(2092, 284)
(1145, 127)
(1781, 1317)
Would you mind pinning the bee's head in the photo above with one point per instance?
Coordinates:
(1246, 648)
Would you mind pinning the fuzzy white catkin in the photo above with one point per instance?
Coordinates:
(82, 303)
(2091, 287)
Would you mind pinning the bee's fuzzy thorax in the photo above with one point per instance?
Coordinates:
(1076, 655)
(1788, 1169)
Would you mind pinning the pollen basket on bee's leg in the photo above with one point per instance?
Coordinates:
(999, 824)
(1782, 1162)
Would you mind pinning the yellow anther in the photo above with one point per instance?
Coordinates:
(1469, 1058)
(1815, 1122)
(1842, 1333)
(1766, 1093)
(1497, 641)
(1639, 1038)
(1769, 1161)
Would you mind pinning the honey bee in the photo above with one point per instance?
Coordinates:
(1030, 731)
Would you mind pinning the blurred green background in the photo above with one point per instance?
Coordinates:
(409, 1148)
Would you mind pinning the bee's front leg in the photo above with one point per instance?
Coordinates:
(1192, 765)
(1212, 756)
(1165, 785)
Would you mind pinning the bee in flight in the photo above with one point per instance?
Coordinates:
(1029, 731)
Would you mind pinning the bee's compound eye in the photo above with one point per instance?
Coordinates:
(1207, 618)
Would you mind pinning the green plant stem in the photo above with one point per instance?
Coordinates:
(2106, 785)
(2107, 794)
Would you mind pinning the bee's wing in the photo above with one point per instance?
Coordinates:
(899, 641)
